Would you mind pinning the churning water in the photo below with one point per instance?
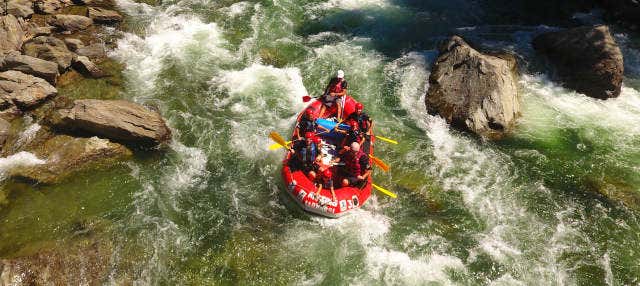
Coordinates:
(212, 210)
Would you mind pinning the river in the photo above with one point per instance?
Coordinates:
(212, 210)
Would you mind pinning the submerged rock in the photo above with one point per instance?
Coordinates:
(50, 49)
(25, 91)
(105, 16)
(30, 65)
(587, 59)
(12, 33)
(71, 23)
(65, 154)
(473, 91)
(92, 51)
(119, 120)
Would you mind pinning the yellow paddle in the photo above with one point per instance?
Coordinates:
(276, 137)
(382, 190)
(387, 139)
(380, 163)
(276, 146)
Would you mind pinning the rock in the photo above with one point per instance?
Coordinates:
(65, 155)
(25, 91)
(119, 120)
(474, 91)
(73, 44)
(41, 31)
(12, 33)
(30, 65)
(71, 23)
(92, 51)
(587, 59)
(51, 6)
(5, 130)
(105, 16)
(627, 11)
(86, 67)
(20, 8)
(50, 49)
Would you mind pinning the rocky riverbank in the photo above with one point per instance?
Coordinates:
(60, 113)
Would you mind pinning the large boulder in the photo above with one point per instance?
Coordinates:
(64, 155)
(474, 91)
(105, 16)
(71, 23)
(93, 51)
(12, 33)
(627, 11)
(587, 59)
(23, 90)
(73, 44)
(20, 8)
(30, 65)
(50, 49)
(119, 120)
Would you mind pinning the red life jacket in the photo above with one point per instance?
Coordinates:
(352, 163)
(336, 88)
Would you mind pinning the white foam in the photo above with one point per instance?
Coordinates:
(177, 37)
(28, 134)
(191, 171)
(237, 9)
(255, 94)
(21, 159)
(355, 4)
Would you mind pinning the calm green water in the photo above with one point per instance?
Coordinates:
(212, 210)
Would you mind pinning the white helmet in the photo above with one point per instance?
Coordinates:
(340, 74)
(355, 146)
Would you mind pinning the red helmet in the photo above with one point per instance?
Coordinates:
(353, 124)
(327, 173)
(309, 135)
(359, 106)
(316, 139)
(309, 112)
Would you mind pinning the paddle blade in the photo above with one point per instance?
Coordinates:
(387, 140)
(276, 146)
(382, 190)
(380, 163)
(306, 98)
(278, 139)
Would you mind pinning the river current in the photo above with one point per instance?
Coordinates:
(212, 209)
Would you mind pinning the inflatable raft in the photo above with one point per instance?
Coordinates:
(302, 189)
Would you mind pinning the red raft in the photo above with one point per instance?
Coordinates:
(303, 190)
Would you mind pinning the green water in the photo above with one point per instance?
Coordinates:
(211, 210)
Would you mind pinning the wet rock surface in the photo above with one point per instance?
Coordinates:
(118, 120)
(586, 59)
(23, 90)
(30, 65)
(50, 49)
(474, 91)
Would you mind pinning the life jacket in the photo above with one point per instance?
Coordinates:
(308, 154)
(352, 164)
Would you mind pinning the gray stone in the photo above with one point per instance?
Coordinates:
(30, 65)
(105, 16)
(473, 91)
(37, 31)
(92, 51)
(50, 49)
(71, 23)
(587, 59)
(51, 6)
(12, 33)
(25, 91)
(118, 120)
(5, 130)
(20, 8)
(86, 67)
(73, 44)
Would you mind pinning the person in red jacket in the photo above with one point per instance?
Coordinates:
(333, 96)
(326, 181)
(357, 165)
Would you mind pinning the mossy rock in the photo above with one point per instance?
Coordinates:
(66, 155)
(74, 86)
